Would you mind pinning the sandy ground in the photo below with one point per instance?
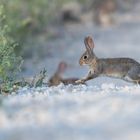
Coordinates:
(72, 112)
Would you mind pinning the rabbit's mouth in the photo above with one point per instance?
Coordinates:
(82, 63)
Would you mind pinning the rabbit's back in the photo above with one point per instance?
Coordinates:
(126, 61)
(118, 67)
(69, 81)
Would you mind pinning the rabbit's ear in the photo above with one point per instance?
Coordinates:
(89, 43)
(62, 66)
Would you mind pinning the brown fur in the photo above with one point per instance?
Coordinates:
(56, 79)
(123, 68)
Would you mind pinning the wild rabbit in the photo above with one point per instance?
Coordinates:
(56, 79)
(122, 68)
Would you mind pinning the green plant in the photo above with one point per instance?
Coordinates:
(29, 19)
(9, 62)
(38, 79)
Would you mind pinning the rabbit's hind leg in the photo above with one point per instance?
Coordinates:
(129, 79)
(138, 82)
(133, 75)
(132, 79)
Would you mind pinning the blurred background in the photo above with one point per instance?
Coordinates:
(48, 32)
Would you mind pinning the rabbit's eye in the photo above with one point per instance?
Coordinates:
(85, 57)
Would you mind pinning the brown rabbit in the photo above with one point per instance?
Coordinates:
(56, 79)
(122, 68)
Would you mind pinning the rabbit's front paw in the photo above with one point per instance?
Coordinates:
(81, 81)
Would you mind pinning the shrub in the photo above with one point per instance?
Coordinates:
(9, 62)
(27, 18)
